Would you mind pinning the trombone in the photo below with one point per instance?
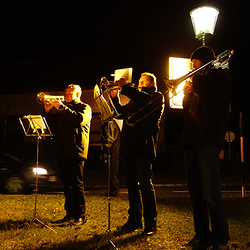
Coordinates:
(221, 61)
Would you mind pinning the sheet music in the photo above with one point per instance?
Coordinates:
(35, 125)
(124, 73)
(36, 122)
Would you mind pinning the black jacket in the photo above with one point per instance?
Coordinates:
(72, 128)
(140, 140)
(207, 109)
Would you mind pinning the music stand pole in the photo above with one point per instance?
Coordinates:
(108, 231)
(35, 213)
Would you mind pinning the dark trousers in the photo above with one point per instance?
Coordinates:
(71, 172)
(203, 167)
(138, 174)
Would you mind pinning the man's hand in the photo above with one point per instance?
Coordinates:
(188, 87)
(53, 103)
(48, 107)
(114, 92)
(121, 82)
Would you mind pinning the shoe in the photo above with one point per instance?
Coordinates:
(67, 218)
(197, 244)
(130, 226)
(220, 247)
(149, 231)
(79, 221)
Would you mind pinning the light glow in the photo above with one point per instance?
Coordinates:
(178, 67)
(40, 171)
(204, 20)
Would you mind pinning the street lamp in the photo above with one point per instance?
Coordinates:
(204, 21)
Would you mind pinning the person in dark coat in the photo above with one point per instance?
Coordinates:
(138, 148)
(206, 104)
(73, 119)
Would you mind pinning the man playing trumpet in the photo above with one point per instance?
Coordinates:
(72, 136)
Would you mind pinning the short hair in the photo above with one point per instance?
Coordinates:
(75, 87)
(152, 78)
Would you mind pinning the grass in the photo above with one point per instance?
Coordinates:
(175, 224)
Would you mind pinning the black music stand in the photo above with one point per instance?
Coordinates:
(36, 125)
(106, 113)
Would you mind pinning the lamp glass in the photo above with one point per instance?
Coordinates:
(204, 20)
(178, 67)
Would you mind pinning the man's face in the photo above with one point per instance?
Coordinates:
(70, 95)
(144, 81)
(197, 63)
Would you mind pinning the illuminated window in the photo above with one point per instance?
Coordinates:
(178, 67)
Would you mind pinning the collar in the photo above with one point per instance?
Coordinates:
(149, 89)
(73, 102)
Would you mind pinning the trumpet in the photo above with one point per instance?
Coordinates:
(42, 98)
(112, 85)
(104, 82)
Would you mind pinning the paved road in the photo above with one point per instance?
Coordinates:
(172, 190)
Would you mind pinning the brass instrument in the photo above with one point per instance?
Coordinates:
(112, 85)
(42, 98)
(108, 84)
(221, 61)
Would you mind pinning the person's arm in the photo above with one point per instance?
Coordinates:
(130, 92)
(81, 115)
(136, 95)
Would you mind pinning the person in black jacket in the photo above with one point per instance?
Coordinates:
(73, 126)
(206, 103)
(138, 148)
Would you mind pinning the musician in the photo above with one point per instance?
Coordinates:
(206, 103)
(138, 149)
(73, 126)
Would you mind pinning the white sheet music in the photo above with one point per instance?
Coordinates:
(124, 73)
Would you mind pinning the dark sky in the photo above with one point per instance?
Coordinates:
(91, 38)
(47, 44)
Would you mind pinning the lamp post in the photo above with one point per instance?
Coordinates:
(204, 20)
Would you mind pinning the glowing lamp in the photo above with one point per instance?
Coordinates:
(204, 20)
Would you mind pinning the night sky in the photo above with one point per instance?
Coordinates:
(47, 44)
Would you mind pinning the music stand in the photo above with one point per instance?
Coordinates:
(106, 114)
(36, 125)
